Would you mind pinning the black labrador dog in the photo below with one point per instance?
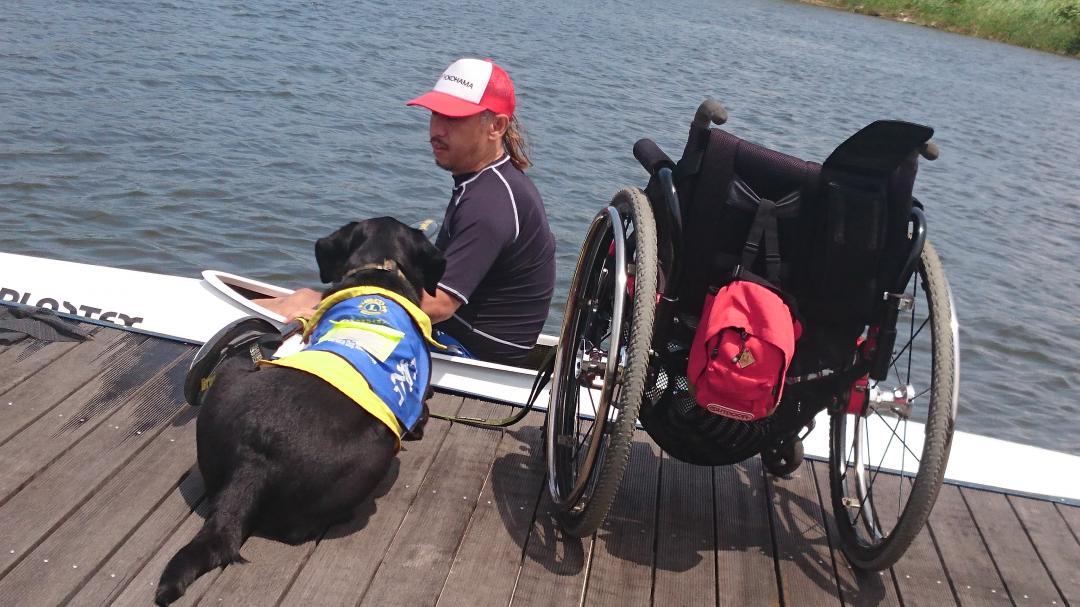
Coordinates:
(281, 451)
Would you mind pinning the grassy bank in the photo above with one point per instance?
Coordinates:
(1047, 25)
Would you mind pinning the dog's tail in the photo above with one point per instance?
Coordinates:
(217, 544)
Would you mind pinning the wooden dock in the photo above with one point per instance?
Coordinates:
(98, 488)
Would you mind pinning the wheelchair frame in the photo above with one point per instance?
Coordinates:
(622, 313)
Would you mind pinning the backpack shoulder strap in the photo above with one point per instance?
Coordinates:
(764, 225)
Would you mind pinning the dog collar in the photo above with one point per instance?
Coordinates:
(387, 265)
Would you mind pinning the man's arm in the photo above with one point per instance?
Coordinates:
(440, 307)
(301, 302)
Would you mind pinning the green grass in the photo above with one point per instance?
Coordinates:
(1048, 25)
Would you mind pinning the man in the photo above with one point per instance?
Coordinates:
(500, 253)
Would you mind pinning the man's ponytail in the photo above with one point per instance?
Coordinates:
(515, 144)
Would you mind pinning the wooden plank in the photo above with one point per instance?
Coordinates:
(134, 364)
(494, 542)
(859, 587)
(745, 557)
(972, 571)
(59, 565)
(1055, 543)
(1025, 576)
(139, 592)
(132, 556)
(921, 576)
(554, 569)
(61, 487)
(269, 572)
(340, 569)
(686, 535)
(1071, 514)
(23, 359)
(39, 393)
(425, 545)
(621, 567)
(802, 545)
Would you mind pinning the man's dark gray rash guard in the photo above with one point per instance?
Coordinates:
(500, 262)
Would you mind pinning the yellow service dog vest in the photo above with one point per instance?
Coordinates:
(372, 345)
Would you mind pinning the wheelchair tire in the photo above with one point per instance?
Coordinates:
(601, 363)
(875, 533)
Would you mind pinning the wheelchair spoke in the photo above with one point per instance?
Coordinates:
(911, 340)
(899, 380)
(592, 401)
(895, 435)
(585, 435)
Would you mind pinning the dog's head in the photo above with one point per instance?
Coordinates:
(373, 241)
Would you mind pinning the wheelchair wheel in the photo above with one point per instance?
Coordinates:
(601, 363)
(887, 464)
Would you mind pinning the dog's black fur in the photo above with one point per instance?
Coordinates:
(282, 452)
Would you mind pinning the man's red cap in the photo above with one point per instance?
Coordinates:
(470, 86)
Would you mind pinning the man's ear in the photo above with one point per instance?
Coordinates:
(433, 266)
(332, 252)
(498, 125)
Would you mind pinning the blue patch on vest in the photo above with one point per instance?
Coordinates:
(378, 337)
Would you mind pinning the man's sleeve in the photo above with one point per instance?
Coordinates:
(478, 234)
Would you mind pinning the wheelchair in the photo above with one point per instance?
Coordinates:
(878, 353)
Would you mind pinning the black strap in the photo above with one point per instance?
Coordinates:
(543, 376)
(764, 225)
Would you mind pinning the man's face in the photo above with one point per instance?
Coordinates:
(458, 143)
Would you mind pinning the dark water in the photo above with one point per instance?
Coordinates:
(174, 137)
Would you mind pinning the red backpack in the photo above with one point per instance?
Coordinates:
(742, 349)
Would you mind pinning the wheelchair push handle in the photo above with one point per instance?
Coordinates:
(929, 151)
(709, 112)
(651, 157)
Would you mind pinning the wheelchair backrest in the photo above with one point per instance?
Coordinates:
(842, 226)
(715, 229)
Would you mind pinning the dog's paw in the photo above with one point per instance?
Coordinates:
(167, 594)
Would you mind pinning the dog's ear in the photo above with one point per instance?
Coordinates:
(433, 265)
(332, 252)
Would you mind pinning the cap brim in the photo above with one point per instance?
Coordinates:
(447, 105)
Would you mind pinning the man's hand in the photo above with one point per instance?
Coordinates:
(440, 307)
(301, 302)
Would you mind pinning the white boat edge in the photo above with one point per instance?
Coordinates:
(223, 280)
(191, 310)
